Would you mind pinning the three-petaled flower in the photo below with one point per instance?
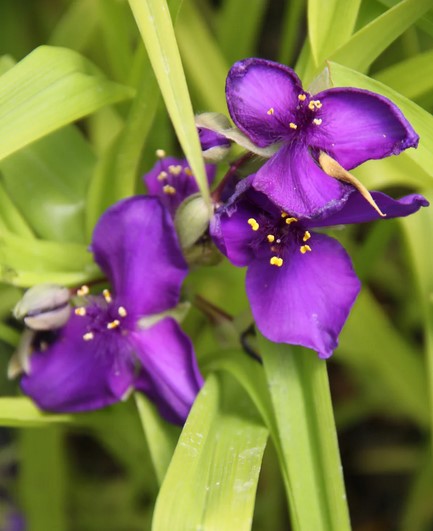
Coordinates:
(267, 102)
(124, 340)
(300, 284)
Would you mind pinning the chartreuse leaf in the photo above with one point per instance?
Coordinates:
(291, 28)
(48, 182)
(25, 262)
(212, 479)
(370, 41)
(372, 346)
(48, 89)
(306, 438)
(160, 435)
(239, 27)
(156, 28)
(420, 119)
(10, 217)
(330, 25)
(412, 77)
(21, 412)
(418, 235)
(204, 64)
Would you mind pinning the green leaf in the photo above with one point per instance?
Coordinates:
(42, 456)
(48, 89)
(420, 119)
(54, 173)
(306, 438)
(212, 478)
(204, 64)
(418, 235)
(412, 77)
(156, 28)
(291, 29)
(25, 262)
(239, 25)
(9, 335)
(371, 345)
(10, 217)
(330, 25)
(370, 41)
(161, 436)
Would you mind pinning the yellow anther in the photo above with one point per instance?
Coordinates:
(88, 336)
(270, 238)
(168, 189)
(317, 121)
(188, 172)
(253, 223)
(160, 153)
(317, 104)
(175, 170)
(291, 220)
(307, 236)
(276, 261)
(113, 324)
(271, 111)
(284, 214)
(163, 175)
(122, 312)
(80, 311)
(293, 126)
(107, 295)
(304, 249)
(302, 97)
(83, 291)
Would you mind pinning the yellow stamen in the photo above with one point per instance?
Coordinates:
(307, 236)
(253, 223)
(83, 291)
(160, 153)
(107, 295)
(80, 311)
(291, 220)
(284, 215)
(168, 189)
(302, 97)
(276, 261)
(113, 324)
(270, 238)
(317, 104)
(271, 111)
(175, 170)
(304, 248)
(293, 126)
(163, 175)
(188, 172)
(317, 121)
(122, 312)
(88, 336)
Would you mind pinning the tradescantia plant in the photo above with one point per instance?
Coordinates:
(183, 314)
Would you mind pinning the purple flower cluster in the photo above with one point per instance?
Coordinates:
(300, 282)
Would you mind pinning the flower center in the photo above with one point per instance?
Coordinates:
(277, 237)
(102, 315)
(305, 115)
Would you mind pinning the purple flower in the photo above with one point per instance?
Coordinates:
(300, 284)
(267, 102)
(122, 341)
(172, 181)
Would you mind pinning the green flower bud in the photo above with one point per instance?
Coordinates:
(44, 307)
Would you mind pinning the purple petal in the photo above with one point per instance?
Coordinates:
(262, 97)
(307, 300)
(77, 375)
(294, 182)
(170, 375)
(135, 244)
(172, 181)
(210, 139)
(357, 210)
(358, 125)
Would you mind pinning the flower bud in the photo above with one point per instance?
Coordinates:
(214, 145)
(191, 220)
(44, 307)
